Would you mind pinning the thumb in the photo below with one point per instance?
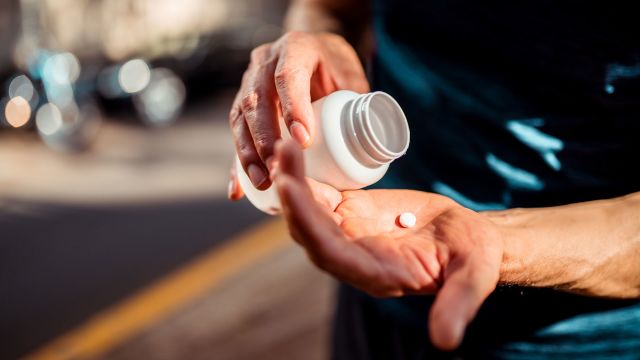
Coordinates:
(290, 161)
(468, 282)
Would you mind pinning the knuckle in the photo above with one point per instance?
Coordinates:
(259, 53)
(288, 115)
(245, 151)
(265, 67)
(281, 76)
(287, 73)
(249, 101)
(291, 112)
(263, 143)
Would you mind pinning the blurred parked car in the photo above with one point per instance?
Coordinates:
(64, 62)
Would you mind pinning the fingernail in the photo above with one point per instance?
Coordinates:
(230, 189)
(299, 133)
(256, 174)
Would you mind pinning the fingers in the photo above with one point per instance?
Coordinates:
(234, 190)
(259, 102)
(293, 85)
(468, 282)
(253, 118)
(278, 74)
(291, 162)
(310, 224)
(326, 195)
(247, 153)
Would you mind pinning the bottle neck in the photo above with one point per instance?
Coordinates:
(375, 128)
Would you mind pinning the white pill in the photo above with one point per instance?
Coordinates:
(407, 220)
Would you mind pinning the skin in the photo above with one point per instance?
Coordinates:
(589, 248)
(282, 80)
(460, 255)
(355, 236)
(310, 61)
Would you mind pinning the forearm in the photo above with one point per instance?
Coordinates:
(348, 18)
(590, 248)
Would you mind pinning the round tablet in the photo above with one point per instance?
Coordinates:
(407, 220)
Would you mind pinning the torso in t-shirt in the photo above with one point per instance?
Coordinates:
(519, 104)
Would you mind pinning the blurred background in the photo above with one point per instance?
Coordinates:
(116, 238)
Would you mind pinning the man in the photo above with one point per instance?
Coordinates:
(516, 110)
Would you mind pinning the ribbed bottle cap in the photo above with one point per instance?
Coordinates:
(380, 127)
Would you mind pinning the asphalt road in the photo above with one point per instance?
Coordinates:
(80, 232)
(63, 264)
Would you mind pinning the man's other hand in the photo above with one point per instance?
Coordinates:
(282, 80)
(355, 236)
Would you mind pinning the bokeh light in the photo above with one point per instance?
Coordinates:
(161, 101)
(62, 68)
(59, 93)
(17, 111)
(108, 84)
(69, 129)
(23, 87)
(59, 72)
(35, 59)
(49, 119)
(134, 76)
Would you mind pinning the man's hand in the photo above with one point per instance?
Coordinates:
(354, 235)
(282, 80)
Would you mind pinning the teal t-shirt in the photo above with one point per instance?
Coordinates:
(518, 104)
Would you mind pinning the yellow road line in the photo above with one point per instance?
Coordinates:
(165, 296)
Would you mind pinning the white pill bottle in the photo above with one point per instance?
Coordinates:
(357, 137)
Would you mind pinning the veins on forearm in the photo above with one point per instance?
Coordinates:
(586, 248)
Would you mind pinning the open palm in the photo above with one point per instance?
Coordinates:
(355, 236)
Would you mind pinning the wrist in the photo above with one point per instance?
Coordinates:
(349, 19)
(631, 201)
(515, 262)
(310, 17)
(584, 248)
